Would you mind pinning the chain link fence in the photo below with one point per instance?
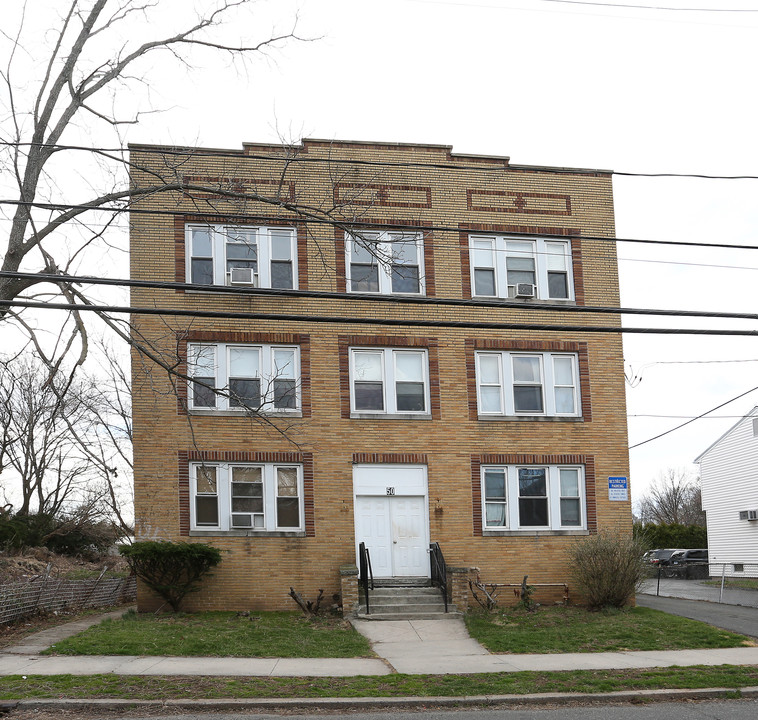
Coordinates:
(46, 594)
(729, 583)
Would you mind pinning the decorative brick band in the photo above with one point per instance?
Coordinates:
(340, 255)
(580, 348)
(180, 242)
(588, 461)
(390, 459)
(518, 202)
(305, 459)
(576, 250)
(385, 195)
(345, 342)
(241, 186)
(234, 336)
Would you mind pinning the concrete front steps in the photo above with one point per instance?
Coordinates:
(405, 602)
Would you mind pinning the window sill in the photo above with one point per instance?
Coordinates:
(247, 533)
(530, 418)
(243, 414)
(524, 301)
(532, 533)
(389, 416)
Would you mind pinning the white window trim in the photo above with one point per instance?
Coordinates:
(267, 376)
(541, 262)
(219, 232)
(548, 384)
(223, 492)
(553, 477)
(384, 260)
(389, 383)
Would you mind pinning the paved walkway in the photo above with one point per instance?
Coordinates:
(699, 590)
(418, 647)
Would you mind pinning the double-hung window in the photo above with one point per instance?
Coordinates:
(227, 376)
(388, 263)
(515, 267)
(242, 255)
(527, 384)
(248, 497)
(384, 380)
(516, 497)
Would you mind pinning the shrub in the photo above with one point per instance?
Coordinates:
(671, 536)
(608, 568)
(171, 569)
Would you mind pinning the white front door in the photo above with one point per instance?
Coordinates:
(391, 519)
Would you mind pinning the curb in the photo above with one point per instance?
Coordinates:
(370, 703)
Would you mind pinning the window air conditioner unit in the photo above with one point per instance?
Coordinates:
(752, 514)
(525, 290)
(242, 276)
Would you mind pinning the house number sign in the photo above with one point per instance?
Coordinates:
(390, 491)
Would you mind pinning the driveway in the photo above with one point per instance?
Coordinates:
(699, 590)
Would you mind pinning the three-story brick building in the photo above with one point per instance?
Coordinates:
(380, 344)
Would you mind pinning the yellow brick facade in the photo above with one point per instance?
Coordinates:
(361, 185)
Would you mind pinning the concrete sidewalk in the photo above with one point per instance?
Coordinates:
(414, 647)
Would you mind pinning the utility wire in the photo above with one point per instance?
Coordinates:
(684, 424)
(389, 322)
(359, 224)
(374, 297)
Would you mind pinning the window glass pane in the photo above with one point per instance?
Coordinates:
(532, 482)
(557, 285)
(286, 481)
(490, 398)
(285, 394)
(519, 249)
(206, 510)
(281, 275)
(569, 482)
(364, 278)
(201, 243)
(244, 362)
(287, 512)
(202, 272)
(284, 364)
(405, 279)
(489, 369)
(409, 366)
(483, 255)
(246, 474)
(367, 366)
(556, 257)
(495, 514)
(243, 236)
(484, 282)
(281, 245)
(494, 484)
(403, 252)
(364, 250)
(201, 360)
(564, 400)
(241, 251)
(570, 512)
(532, 512)
(205, 478)
(369, 396)
(526, 369)
(203, 395)
(410, 397)
(245, 392)
(563, 368)
(527, 398)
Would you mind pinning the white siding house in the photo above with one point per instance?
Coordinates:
(729, 477)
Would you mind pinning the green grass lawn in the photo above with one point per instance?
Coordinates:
(16, 687)
(219, 634)
(733, 582)
(573, 629)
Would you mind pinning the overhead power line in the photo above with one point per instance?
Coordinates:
(389, 322)
(355, 223)
(374, 297)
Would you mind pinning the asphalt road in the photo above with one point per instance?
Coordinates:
(737, 618)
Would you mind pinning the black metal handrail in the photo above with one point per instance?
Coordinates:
(366, 576)
(439, 569)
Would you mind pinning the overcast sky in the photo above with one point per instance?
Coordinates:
(546, 83)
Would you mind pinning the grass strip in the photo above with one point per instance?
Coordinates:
(573, 629)
(17, 687)
(219, 634)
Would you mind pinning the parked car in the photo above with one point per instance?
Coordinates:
(690, 564)
(660, 556)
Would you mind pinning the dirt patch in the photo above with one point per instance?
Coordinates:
(35, 562)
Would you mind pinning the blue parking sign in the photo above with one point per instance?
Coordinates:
(618, 488)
